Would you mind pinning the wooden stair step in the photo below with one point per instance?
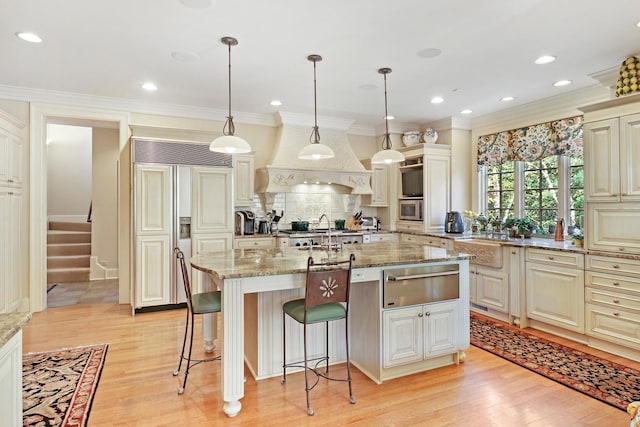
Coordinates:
(68, 237)
(68, 261)
(63, 275)
(70, 226)
(61, 249)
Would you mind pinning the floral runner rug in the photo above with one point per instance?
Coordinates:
(58, 386)
(607, 381)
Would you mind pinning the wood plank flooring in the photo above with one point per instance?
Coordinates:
(138, 389)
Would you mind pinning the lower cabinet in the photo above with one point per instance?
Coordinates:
(555, 288)
(612, 297)
(489, 287)
(254, 242)
(11, 381)
(414, 333)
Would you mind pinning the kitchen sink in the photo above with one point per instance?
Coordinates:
(487, 252)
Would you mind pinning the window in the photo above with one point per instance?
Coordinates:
(500, 191)
(540, 191)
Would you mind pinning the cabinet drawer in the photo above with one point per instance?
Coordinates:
(255, 242)
(411, 238)
(564, 259)
(612, 299)
(434, 241)
(410, 226)
(613, 265)
(614, 325)
(382, 238)
(366, 275)
(613, 283)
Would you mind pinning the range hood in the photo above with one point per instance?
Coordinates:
(286, 170)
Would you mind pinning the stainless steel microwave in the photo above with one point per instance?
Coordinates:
(411, 209)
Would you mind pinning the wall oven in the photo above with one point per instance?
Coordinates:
(411, 209)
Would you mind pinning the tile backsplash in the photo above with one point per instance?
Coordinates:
(307, 202)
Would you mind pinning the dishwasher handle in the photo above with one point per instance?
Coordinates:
(422, 276)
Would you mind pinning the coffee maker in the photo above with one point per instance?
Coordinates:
(245, 223)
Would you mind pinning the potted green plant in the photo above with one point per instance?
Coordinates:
(577, 237)
(524, 227)
(509, 224)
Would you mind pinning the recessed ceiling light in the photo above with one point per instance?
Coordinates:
(638, 24)
(466, 111)
(197, 4)
(150, 86)
(436, 100)
(30, 37)
(507, 98)
(275, 103)
(545, 59)
(389, 117)
(560, 83)
(185, 56)
(430, 52)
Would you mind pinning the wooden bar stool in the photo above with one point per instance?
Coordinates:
(326, 299)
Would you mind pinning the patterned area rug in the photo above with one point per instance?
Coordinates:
(58, 386)
(607, 381)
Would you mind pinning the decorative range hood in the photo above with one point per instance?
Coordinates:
(286, 170)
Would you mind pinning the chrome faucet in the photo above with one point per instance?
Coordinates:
(328, 228)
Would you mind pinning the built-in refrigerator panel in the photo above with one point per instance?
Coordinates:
(182, 228)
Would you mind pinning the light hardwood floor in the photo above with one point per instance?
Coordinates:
(137, 388)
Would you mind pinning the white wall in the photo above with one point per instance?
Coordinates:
(68, 170)
(104, 242)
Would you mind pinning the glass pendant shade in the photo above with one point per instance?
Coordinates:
(229, 143)
(315, 150)
(387, 155)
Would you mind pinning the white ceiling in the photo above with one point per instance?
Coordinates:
(109, 48)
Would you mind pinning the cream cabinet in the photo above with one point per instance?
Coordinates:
(612, 296)
(13, 215)
(254, 242)
(11, 381)
(153, 270)
(555, 288)
(243, 179)
(489, 287)
(379, 185)
(418, 332)
(612, 155)
(613, 227)
(410, 226)
(380, 237)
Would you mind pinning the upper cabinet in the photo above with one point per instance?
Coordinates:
(379, 185)
(611, 155)
(243, 179)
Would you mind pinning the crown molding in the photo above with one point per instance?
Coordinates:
(16, 93)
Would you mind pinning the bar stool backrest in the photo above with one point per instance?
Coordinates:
(185, 277)
(328, 282)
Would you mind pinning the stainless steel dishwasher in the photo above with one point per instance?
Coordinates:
(419, 285)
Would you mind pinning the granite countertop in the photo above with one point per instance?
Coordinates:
(10, 324)
(237, 263)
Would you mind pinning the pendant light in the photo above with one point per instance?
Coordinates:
(387, 155)
(229, 143)
(315, 150)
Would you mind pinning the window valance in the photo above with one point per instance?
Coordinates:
(531, 143)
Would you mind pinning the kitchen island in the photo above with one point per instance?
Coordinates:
(255, 283)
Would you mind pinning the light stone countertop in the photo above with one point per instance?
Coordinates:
(10, 324)
(238, 263)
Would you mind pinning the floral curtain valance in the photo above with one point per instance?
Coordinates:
(531, 143)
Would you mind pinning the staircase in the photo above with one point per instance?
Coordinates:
(68, 251)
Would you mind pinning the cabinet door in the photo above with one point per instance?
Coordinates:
(379, 185)
(15, 157)
(492, 288)
(473, 283)
(153, 200)
(243, 179)
(630, 157)
(207, 243)
(211, 197)
(555, 295)
(153, 270)
(10, 249)
(440, 328)
(601, 161)
(614, 227)
(437, 191)
(11, 381)
(403, 336)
